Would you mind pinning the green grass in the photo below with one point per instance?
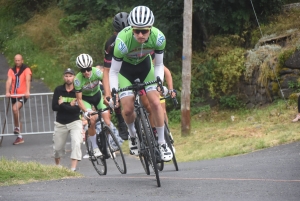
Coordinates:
(14, 172)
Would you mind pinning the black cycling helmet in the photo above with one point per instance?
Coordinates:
(120, 21)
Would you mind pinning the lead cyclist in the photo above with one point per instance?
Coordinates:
(132, 60)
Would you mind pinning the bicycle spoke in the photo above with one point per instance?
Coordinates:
(115, 150)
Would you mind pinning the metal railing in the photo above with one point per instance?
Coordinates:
(36, 116)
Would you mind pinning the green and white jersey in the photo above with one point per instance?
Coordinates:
(88, 86)
(128, 49)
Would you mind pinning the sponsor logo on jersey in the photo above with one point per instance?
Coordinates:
(76, 82)
(122, 47)
(98, 72)
(160, 39)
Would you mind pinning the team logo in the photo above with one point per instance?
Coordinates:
(98, 72)
(122, 47)
(160, 39)
(76, 82)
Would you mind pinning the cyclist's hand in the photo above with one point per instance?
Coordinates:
(106, 100)
(86, 115)
(172, 93)
(112, 104)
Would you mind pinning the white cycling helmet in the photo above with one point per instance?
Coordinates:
(84, 61)
(141, 16)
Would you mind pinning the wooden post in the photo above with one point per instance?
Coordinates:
(186, 68)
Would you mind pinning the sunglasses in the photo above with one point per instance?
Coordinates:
(143, 31)
(85, 69)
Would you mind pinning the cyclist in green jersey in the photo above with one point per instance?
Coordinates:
(132, 60)
(88, 95)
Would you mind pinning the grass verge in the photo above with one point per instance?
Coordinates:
(14, 172)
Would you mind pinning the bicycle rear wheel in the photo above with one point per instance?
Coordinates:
(144, 156)
(99, 163)
(149, 143)
(115, 150)
(169, 140)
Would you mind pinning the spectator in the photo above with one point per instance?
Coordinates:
(18, 89)
(67, 120)
(298, 115)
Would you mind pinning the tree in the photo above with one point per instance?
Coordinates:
(186, 68)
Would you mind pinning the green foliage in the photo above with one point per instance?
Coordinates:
(284, 55)
(230, 102)
(22, 10)
(227, 73)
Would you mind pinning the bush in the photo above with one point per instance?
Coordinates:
(230, 102)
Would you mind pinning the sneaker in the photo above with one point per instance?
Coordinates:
(86, 156)
(123, 131)
(133, 146)
(165, 152)
(296, 119)
(17, 130)
(18, 141)
(97, 152)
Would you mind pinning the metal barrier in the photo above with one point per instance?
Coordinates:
(36, 115)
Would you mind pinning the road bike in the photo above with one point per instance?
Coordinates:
(108, 145)
(168, 136)
(149, 152)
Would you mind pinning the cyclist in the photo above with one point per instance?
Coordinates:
(132, 60)
(88, 95)
(119, 22)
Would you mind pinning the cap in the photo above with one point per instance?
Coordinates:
(69, 70)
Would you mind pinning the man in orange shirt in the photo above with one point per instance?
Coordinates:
(18, 82)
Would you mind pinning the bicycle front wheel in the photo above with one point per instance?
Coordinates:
(170, 145)
(143, 155)
(149, 143)
(99, 163)
(115, 150)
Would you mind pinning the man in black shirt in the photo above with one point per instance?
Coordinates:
(67, 120)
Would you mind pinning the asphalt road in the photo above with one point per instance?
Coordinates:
(270, 174)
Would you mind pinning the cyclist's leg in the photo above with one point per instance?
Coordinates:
(127, 103)
(163, 105)
(158, 115)
(92, 130)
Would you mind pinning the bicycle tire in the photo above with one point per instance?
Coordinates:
(143, 155)
(120, 164)
(168, 141)
(99, 163)
(150, 144)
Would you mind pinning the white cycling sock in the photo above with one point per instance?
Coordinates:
(131, 130)
(160, 133)
(93, 141)
(20, 136)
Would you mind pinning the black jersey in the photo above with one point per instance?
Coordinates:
(109, 51)
(65, 112)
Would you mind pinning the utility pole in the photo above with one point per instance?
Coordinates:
(186, 68)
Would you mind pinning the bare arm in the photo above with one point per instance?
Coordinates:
(106, 84)
(169, 81)
(168, 78)
(8, 85)
(28, 80)
(80, 101)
